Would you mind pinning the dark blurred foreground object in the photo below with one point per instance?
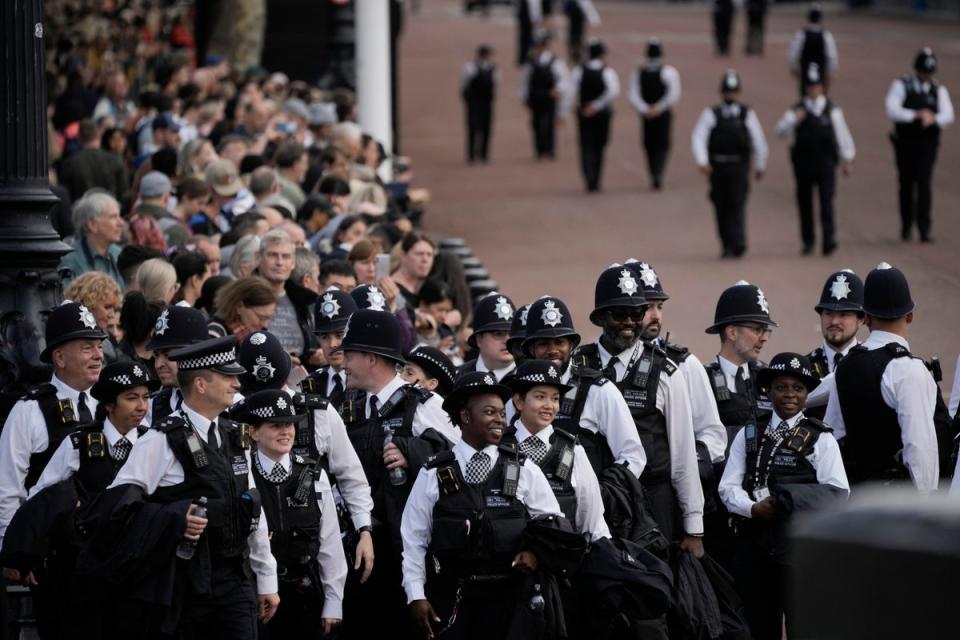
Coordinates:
(882, 567)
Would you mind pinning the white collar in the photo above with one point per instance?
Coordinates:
(815, 105)
(499, 373)
(624, 356)
(881, 338)
(775, 420)
(829, 351)
(200, 423)
(267, 464)
(523, 433)
(113, 436)
(464, 452)
(730, 369)
(67, 392)
(594, 64)
(384, 394)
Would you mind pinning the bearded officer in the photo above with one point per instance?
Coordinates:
(594, 410)
(39, 421)
(841, 316)
(654, 91)
(724, 140)
(178, 326)
(883, 403)
(492, 318)
(192, 454)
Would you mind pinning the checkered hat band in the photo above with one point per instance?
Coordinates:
(429, 358)
(263, 412)
(533, 377)
(124, 379)
(209, 360)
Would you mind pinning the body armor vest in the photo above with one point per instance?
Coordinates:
(652, 86)
(814, 139)
(729, 141)
(771, 461)
(97, 467)
(60, 417)
(592, 85)
(736, 409)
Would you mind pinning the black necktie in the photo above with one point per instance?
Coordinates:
(337, 386)
(212, 438)
(610, 371)
(373, 407)
(837, 357)
(83, 411)
(740, 383)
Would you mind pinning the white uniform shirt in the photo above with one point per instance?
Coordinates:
(500, 373)
(897, 93)
(825, 459)
(416, 526)
(472, 68)
(796, 49)
(560, 79)
(730, 372)
(706, 123)
(908, 388)
(606, 412)
(955, 392)
(330, 556)
(66, 459)
(819, 396)
(24, 434)
(674, 403)
(429, 415)
(589, 515)
(611, 84)
(330, 438)
(845, 147)
(332, 375)
(152, 464)
(670, 78)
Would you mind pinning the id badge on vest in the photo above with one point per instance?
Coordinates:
(761, 493)
(239, 464)
(635, 398)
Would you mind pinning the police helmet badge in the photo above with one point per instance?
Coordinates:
(163, 323)
(263, 369)
(762, 301)
(840, 288)
(87, 318)
(628, 286)
(329, 306)
(550, 315)
(504, 309)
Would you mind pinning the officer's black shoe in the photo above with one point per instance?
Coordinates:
(807, 249)
(739, 251)
(905, 234)
(926, 238)
(657, 183)
(726, 254)
(829, 248)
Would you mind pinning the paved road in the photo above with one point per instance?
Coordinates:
(538, 232)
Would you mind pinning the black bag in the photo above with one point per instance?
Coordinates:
(625, 510)
(696, 612)
(557, 546)
(732, 615)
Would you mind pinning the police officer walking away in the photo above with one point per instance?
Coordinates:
(654, 90)
(722, 25)
(529, 19)
(579, 13)
(596, 86)
(543, 83)
(919, 108)
(882, 408)
(724, 140)
(813, 44)
(756, 24)
(478, 87)
(820, 140)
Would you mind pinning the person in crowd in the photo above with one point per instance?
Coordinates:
(98, 228)
(338, 273)
(157, 281)
(192, 271)
(242, 307)
(93, 167)
(101, 295)
(416, 261)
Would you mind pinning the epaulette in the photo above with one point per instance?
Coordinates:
(171, 423)
(805, 435)
(311, 401)
(439, 460)
(509, 448)
(896, 350)
(676, 352)
(583, 354)
(303, 460)
(40, 391)
(421, 395)
(566, 435)
(816, 424)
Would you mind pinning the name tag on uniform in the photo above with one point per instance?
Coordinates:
(784, 460)
(635, 398)
(240, 466)
(393, 423)
(497, 502)
(761, 493)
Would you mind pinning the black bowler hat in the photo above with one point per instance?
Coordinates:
(216, 354)
(269, 405)
(787, 364)
(267, 364)
(926, 61)
(596, 48)
(654, 49)
(843, 291)
(649, 279)
(435, 364)
(332, 310)
(376, 332)
(534, 373)
(815, 14)
(617, 286)
(177, 327)
(484, 50)
(518, 328)
(730, 83)
(549, 318)
(493, 312)
(471, 384)
(886, 294)
(118, 377)
(368, 296)
(742, 302)
(69, 321)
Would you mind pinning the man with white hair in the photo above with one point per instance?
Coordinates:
(98, 227)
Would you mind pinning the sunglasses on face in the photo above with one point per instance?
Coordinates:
(621, 315)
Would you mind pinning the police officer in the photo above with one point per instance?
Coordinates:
(813, 44)
(882, 407)
(430, 369)
(820, 139)
(768, 464)
(708, 429)
(756, 11)
(841, 316)
(657, 398)
(394, 428)
(467, 512)
(478, 87)
(654, 90)
(301, 516)
(593, 410)
(724, 139)
(594, 87)
(39, 421)
(195, 453)
(320, 435)
(176, 327)
(529, 19)
(518, 331)
(492, 318)
(919, 108)
(722, 24)
(331, 312)
(579, 13)
(543, 85)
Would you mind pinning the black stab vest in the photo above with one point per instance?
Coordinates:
(61, 419)
(913, 131)
(814, 51)
(541, 83)
(305, 442)
(737, 410)
(562, 488)
(787, 461)
(729, 141)
(480, 87)
(571, 408)
(652, 86)
(160, 405)
(814, 139)
(592, 85)
(97, 467)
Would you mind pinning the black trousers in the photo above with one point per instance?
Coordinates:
(594, 133)
(300, 614)
(543, 121)
(821, 176)
(524, 38)
(722, 24)
(915, 160)
(479, 121)
(656, 144)
(756, 19)
(729, 186)
(378, 608)
(763, 583)
(662, 501)
(229, 611)
(576, 22)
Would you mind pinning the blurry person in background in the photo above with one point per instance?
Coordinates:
(339, 274)
(157, 280)
(99, 293)
(192, 271)
(416, 261)
(242, 307)
(138, 317)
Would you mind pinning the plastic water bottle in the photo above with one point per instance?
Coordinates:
(537, 603)
(187, 548)
(398, 476)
